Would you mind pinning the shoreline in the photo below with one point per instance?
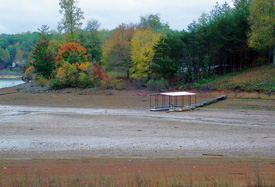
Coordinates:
(57, 132)
(10, 76)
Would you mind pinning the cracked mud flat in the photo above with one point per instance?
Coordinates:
(52, 132)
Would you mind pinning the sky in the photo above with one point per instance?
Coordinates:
(19, 16)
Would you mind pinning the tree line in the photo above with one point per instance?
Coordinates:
(227, 39)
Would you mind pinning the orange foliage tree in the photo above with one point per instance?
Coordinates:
(29, 74)
(71, 52)
(73, 68)
(117, 49)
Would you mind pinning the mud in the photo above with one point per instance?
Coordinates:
(56, 132)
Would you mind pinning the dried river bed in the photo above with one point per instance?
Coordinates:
(52, 132)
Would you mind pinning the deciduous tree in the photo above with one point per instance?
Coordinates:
(262, 20)
(19, 55)
(72, 16)
(142, 53)
(71, 52)
(117, 49)
(4, 58)
(92, 25)
(153, 21)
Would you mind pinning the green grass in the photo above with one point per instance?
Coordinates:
(117, 74)
(261, 79)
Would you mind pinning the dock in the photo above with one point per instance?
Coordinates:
(210, 101)
(5, 93)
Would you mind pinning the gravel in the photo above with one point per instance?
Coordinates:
(53, 132)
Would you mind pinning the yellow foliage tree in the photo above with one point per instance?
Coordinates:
(67, 74)
(142, 52)
(262, 20)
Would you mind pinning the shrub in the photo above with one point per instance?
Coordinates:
(41, 81)
(55, 84)
(67, 74)
(120, 84)
(29, 74)
(157, 85)
(151, 84)
(141, 83)
(95, 73)
(106, 82)
(83, 81)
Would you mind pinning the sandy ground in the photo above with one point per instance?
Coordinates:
(57, 132)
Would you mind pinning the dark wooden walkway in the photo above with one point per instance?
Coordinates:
(210, 101)
(8, 93)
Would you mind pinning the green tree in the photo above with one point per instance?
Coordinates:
(93, 43)
(54, 46)
(153, 21)
(217, 42)
(4, 58)
(43, 59)
(168, 55)
(262, 20)
(92, 25)
(19, 55)
(72, 16)
(44, 33)
(91, 39)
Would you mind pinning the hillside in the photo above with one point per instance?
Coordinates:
(260, 79)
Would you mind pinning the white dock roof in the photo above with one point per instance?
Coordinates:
(178, 93)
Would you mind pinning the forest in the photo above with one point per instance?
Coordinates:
(148, 53)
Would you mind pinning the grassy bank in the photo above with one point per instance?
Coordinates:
(259, 79)
(138, 172)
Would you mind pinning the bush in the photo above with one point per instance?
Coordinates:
(67, 74)
(55, 84)
(29, 74)
(141, 83)
(106, 82)
(120, 84)
(157, 85)
(42, 81)
(84, 81)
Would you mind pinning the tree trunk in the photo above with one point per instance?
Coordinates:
(274, 56)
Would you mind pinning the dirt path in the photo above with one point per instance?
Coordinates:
(52, 132)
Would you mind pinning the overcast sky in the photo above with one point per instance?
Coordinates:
(17, 16)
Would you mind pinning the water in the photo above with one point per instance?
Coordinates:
(10, 82)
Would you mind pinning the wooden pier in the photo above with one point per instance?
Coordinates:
(8, 92)
(179, 101)
(210, 101)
